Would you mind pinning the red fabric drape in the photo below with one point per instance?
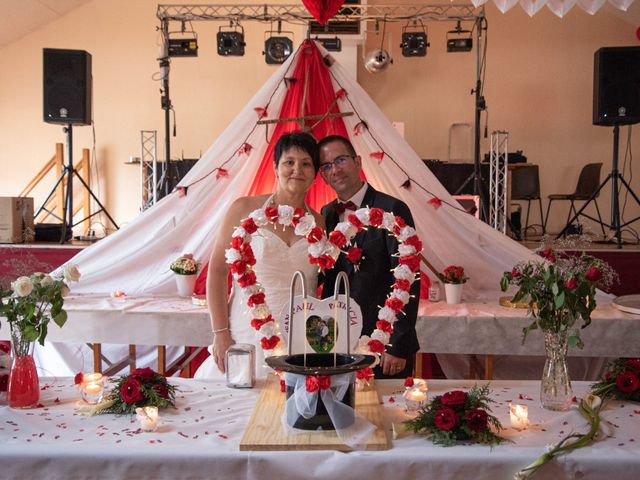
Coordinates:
(323, 10)
(311, 71)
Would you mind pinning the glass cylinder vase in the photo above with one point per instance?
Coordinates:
(555, 388)
(24, 386)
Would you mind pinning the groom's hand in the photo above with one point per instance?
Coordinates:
(392, 365)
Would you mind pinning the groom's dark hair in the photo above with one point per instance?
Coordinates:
(303, 141)
(337, 138)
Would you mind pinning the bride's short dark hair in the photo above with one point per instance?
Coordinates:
(303, 141)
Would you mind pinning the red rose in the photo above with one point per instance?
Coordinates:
(375, 217)
(238, 267)
(161, 389)
(394, 304)
(455, 398)
(324, 382)
(283, 386)
(337, 238)
(249, 225)
(311, 383)
(411, 261)
(408, 382)
(247, 254)
(399, 225)
(5, 347)
(593, 274)
(325, 261)
(476, 419)
(355, 221)
(354, 254)
(271, 213)
(257, 323)
(236, 242)
(143, 373)
(298, 213)
(571, 283)
(78, 378)
(269, 343)
(364, 373)
(515, 273)
(548, 254)
(633, 363)
(376, 346)
(130, 391)
(445, 418)
(384, 326)
(4, 382)
(627, 382)
(315, 235)
(415, 242)
(402, 284)
(256, 299)
(247, 279)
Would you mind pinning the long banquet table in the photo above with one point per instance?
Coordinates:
(200, 439)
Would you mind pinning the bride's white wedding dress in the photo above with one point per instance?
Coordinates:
(276, 262)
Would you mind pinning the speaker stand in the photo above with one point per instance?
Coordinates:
(615, 176)
(69, 172)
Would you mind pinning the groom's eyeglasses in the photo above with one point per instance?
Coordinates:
(338, 162)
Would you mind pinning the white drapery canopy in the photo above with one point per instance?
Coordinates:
(558, 7)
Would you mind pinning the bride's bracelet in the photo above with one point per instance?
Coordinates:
(218, 330)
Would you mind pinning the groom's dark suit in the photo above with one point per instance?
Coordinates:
(371, 284)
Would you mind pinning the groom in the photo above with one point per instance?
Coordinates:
(371, 283)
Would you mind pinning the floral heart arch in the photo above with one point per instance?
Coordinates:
(323, 251)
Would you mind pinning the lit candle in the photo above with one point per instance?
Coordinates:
(420, 384)
(92, 388)
(414, 399)
(519, 416)
(148, 417)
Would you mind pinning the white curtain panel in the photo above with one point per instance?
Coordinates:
(477, 3)
(532, 6)
(505, 5)
(591, 6)
(621, 4)
(561, 7)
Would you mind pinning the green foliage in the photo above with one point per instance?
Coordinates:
(155, 391)
(620, 381)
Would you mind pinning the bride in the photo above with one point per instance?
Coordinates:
(279, 253)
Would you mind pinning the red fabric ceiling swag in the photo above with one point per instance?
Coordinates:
(323, 10)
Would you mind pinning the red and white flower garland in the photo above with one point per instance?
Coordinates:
(323, 252)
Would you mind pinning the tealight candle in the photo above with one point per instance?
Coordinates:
(148, 417)
(414, 399)
(92, 388)
(519, 416)
(420, 384)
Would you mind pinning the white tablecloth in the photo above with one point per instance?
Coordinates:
(200, 440)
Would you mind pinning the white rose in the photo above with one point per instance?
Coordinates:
(381, 336)
(22, 287)
(387, 314)
(318, 248)
(260, 311)
(240, 232)
(231, 255)
(406, 232)
(285, 214)
(64, 291)
(403, 272)
(71, 272)
(259, 218)
(252, 290)
(405, 250)
(388, 220)
(401, 295)
(347, 229)
(281, 348)
(46, 281)
(269, 329)
(305, 225)
(363, 343)
(363, 215)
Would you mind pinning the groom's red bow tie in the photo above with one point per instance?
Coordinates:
(340, 207)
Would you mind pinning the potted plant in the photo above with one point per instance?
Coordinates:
(560, 291)
(186, 268)
(453, 278)
(29, 305)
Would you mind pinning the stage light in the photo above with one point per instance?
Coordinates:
(414, 43)
(277, 47)
(330, 44)
(459, 40)
(231, 42)
(183, 47)
(377, 60)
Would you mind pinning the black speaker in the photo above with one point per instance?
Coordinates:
(67, 86)
(616, 86)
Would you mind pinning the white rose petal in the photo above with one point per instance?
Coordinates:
(46, 281)
(231, 255)
(381, 336)
(305, 225)
(388, 221)
(403, 272)
(259, 218)
(406, 232)
(363, 342)
(318, 248)
(387, 314)
(64, 291)
(347, 229)
(260, 311)
(252, 290)
(71, 272)
(269, 329)
(363, 215)
(240, 232)
(281, 348)
(401, 295)
(22, 287)
(405, 250)
(285, 214)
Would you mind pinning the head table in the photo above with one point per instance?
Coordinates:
(200, 439)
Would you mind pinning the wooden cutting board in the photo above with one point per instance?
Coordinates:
(264, 430)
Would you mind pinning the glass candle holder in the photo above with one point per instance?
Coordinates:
(519, 415)
(241, 366)
(148, 417)
(414, 399)
(92, 388)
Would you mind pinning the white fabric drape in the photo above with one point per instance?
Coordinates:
(558, 7)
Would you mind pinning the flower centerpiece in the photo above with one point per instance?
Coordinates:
(453, 278)
(560, 291)
(142, 388)
(29, 306)
(458, 416)
(621, 380)
(185, 267)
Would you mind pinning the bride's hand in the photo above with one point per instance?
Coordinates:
(221, 343)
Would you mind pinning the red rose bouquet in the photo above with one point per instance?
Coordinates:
(458, 416)
(142, 388)
(453, 274)
(621, 380)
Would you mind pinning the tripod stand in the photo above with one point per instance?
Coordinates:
(615, 176)
(68, 172)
